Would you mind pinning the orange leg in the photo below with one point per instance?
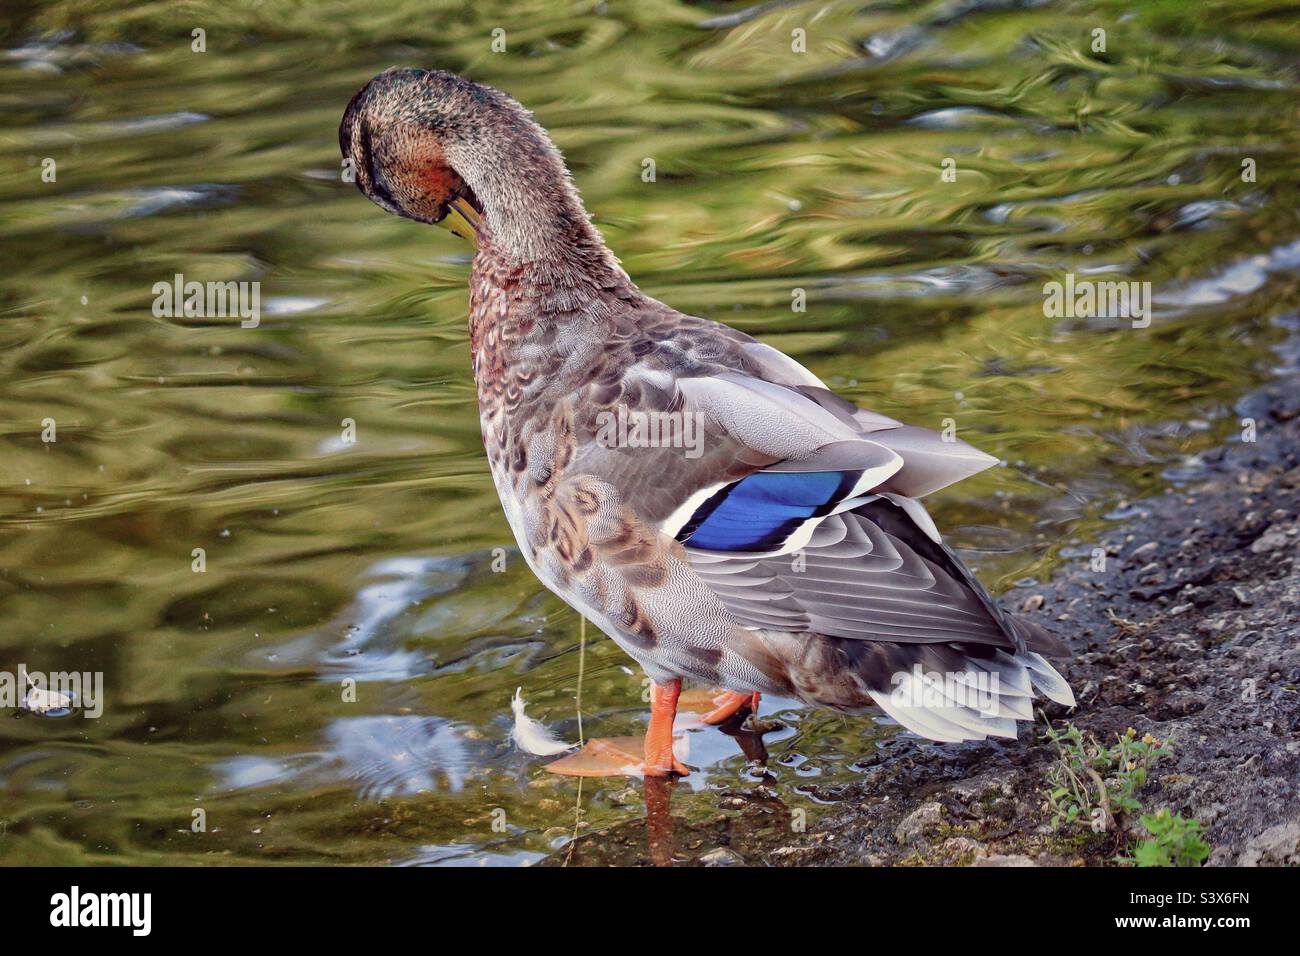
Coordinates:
(659, 759)
(730, 703)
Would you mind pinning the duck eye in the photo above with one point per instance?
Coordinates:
(381, 189)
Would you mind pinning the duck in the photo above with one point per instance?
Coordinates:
(705, 500)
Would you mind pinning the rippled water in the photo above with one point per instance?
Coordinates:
(328, 560)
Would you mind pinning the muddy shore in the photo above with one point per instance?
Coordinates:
(1190, 632)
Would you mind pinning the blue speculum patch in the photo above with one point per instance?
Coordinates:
(762, 510)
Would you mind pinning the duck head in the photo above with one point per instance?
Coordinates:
(437, 148)
(394, 132)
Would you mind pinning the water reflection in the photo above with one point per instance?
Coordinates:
(378, 756)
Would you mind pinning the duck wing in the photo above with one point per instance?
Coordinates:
(832, 541)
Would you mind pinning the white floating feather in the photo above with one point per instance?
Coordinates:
(532, 736)
(47, 703)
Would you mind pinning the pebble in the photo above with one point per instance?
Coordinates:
(924, 817)
(960, 846)
(722, 856)
(1144, 553)
(1277, 846)
(1274, 539)
(1010, 859)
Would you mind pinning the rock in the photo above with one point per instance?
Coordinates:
(924, 817)
(974, 789)
(959, 847)
(1276, 846)
(1220, 856)
(1032, 603)
(627, 797)
(782, 852)
(1012, 859)
(1274, 539)
(1244, 599)
(722, 856)
(1144, 553)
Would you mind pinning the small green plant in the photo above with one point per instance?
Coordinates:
(1176, 841)
(1091, 783)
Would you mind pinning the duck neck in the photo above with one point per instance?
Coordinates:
(580, 288)
(541, 265)
(557, 251)
(533, 220)
(520, 311)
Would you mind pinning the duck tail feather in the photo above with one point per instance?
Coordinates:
(1039, 639)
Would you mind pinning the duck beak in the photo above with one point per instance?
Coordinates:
(462, 219)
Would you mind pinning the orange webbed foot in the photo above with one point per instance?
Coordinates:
(632, 756)
(618, 757)
(728, 704)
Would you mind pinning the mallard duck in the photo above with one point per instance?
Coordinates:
(701, 497)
